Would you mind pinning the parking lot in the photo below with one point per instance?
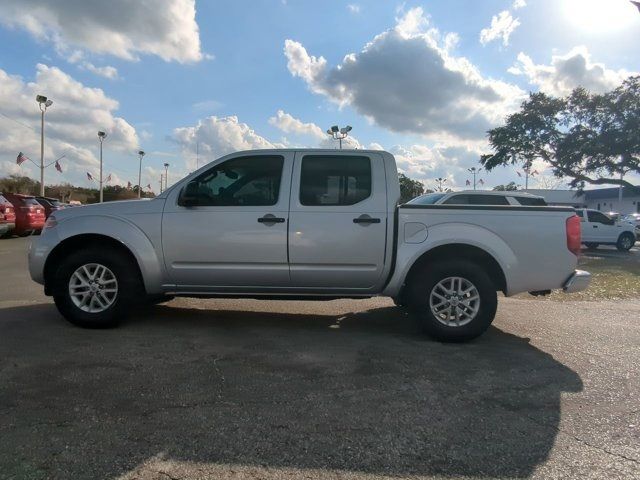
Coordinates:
(342, 389)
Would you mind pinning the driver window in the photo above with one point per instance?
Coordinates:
(598, 217)
(244, 181)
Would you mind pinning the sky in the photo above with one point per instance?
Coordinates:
(423, 80)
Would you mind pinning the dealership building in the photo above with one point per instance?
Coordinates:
(603, 199)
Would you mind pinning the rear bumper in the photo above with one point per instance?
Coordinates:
(577, 282)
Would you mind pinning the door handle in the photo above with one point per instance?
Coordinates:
(366, 219)
(269, 218)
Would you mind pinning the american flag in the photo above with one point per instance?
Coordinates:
(637, 4)
(58, 166)
(149, 186)
(108, 178)
(89, 176)
(535, 172)
(481, 182)
(21, 158)
(129, 185)
(468, 183)
(519, 174)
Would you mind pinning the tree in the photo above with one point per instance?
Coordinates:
(509, 187)
(589, 138)
(409, 188)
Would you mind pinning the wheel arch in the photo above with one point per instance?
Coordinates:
(461, 251)
(79, 242)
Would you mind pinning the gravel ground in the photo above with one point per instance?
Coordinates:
(343, 389)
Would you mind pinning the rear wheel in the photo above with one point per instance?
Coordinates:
(625, 242)
(455, 301)
(96, 288)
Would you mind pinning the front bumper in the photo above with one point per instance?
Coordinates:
(577, 282)
(39, 249)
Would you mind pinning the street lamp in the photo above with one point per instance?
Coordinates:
(166, 175)
(339, 133)
(474, 171)
(101, 136)
(140, 154)
(43, 103)
(441, 181)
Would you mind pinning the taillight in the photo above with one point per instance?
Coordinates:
(574, 240)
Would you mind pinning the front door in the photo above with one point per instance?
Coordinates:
(235, 232)
(338, 221)
(601, 228)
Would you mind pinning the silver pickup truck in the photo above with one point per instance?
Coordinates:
(304, 224)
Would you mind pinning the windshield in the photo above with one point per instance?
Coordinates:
(428, 199)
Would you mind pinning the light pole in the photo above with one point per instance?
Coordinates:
(140, 154)
(161, 181)
(441, 181)
(43, 103)
(474, 171)
(339, 133)
(166, 175)
(101, 137)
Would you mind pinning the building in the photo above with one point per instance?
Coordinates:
(603, 199)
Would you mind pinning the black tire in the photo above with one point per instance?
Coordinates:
(625, 242)
(423, 283)
(129, 287)
(591, 245)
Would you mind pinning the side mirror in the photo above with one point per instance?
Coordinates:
(189, 194)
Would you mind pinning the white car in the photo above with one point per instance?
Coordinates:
(305, 224)
(599, 229)
(479, 197)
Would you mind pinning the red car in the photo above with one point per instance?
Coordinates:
(29, 213)
(50, 205)
(7, 217)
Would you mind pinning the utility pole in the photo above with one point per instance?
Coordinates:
(101, 137)
(43, 103)
(161, 180)
(140, 154)
(166, 175)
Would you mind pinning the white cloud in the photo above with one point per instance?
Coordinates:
(289, 124)
(123, 28)
(77, 113)
(517, 4)
(502, 26)
(407, 80)
(569, 71)
(218, 136)
(354, 8)
(106, 71)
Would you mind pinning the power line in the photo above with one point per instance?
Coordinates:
(18, 122)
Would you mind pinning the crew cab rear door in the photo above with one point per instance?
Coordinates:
(338, 220)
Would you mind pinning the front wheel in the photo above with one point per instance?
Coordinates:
(625, 242)
(455, 301)
(96, 288)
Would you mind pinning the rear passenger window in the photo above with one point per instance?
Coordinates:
(528, 201)
(328, 180)
(477, 200)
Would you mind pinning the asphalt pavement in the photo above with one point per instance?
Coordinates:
(342, 389)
